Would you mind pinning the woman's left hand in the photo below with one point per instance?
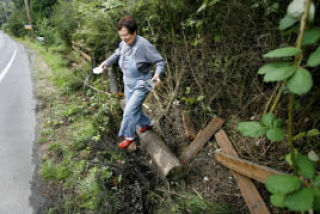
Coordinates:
(156, 78)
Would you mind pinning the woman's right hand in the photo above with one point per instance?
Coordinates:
(103, 65)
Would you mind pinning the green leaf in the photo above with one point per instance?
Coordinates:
(213, 2)
(200, 98)
(301, 82)
(295, 9)
(272, 66)
(277, 123)
(317, 181)
(313, 132)
(275, 134)
(251, 129)
(312, 12)
(299, 136)
(282, 183)
(287, 22)
(202, 7)
(301, 200)
(311, 36)
(305, 166)
(279, 74)
(316, 201)
(267, 120)
(277, 200)
(313, 156)
(314, 58)
(283, 52)
(188, 90)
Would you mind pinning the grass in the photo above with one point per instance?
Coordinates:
(42, 140)
(62, 77)
(71, 125)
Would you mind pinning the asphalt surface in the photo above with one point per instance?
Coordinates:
(17, 130)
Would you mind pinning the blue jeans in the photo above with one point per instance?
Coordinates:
(133, 115)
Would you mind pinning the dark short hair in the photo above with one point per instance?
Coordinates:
(129, 23)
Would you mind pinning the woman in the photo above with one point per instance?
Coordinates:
(135, 56)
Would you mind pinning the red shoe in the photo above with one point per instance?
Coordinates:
(125, 143)
(148, 127)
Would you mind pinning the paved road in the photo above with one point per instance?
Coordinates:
(17, 128)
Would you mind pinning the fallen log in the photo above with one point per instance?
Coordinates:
(201, 139)
(250, 193)
(190, 132)
(161, 155)
(165, 161)
(245, 167)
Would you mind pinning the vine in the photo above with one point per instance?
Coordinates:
(298, 191)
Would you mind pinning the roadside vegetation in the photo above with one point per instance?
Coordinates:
(215, 52)
(82, 168)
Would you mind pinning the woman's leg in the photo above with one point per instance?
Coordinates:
(144, 120)
(133, 113)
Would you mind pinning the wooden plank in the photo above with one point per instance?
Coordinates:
(250, 193)
(202, 137)
(190, 131)
(245, 167)
(162, 157)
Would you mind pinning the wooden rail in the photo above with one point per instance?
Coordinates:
(201, 139)
(248, 190)
(245, 167)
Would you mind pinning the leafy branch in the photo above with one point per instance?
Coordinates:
(300, 191)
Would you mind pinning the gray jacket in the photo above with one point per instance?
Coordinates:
(146, 55)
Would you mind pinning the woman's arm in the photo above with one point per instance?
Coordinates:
(155, 58)
(113, 59)
(152, 56)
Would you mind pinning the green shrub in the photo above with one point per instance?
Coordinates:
(47, 31)
(98, 30)
(16, 23)
(65, 21)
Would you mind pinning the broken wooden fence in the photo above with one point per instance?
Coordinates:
(242, 170)
(248, 190)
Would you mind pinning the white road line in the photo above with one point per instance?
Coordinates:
(6, 69)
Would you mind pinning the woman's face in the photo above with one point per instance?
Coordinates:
(126, 36)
